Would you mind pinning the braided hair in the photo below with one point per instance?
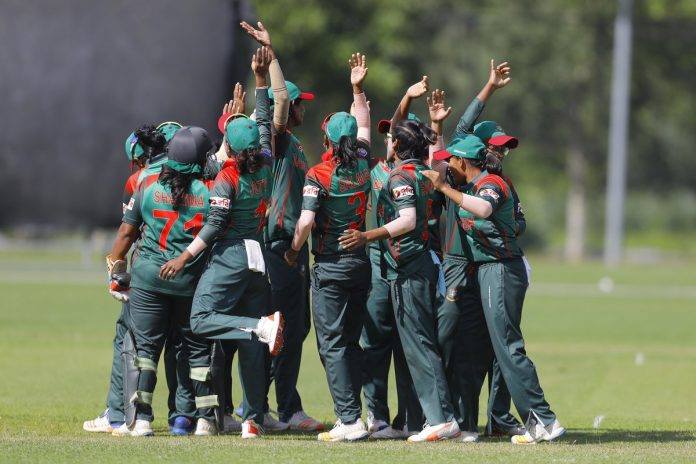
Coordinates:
(414, 138)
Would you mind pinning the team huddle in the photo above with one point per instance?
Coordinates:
(415, 259)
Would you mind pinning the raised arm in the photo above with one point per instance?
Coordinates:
(361, 110)
(438, 113)
(259, 65)
(281, 101)
(499, 77)
(417, 90)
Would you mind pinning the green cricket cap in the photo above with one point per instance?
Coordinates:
(341, 124)
(470, 147)
(168, 129)
(491, 133)
(242, 134)
(293, 92)
(133, 148)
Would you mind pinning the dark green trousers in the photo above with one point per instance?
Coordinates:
(289, 296)
(503, 285)
(339, 294)
(380, 341)
(463, 340)
(180, 399)
(153, 316)
(229, 301)
(414, 302)
(499, 401)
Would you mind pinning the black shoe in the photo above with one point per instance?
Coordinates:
(498, 431)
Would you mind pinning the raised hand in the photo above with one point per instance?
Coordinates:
(358, 68)
(418, 89)
(499, 75)
(260, 35)
(436, 106)
(260, 61)
(236, 105)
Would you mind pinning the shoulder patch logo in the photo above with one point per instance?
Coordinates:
(130, 204)
(402, 191)
(310, 191)
(220, 202)
(489, 193)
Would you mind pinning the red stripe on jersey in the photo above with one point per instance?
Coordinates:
(131, 183)
(229, 174)
(323, 172)
(492, 178)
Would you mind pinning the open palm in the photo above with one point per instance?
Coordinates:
(358, 68)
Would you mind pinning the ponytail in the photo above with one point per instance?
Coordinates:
(179, 183)
(414, 139)
(249, 160)
(348, 150)
(151, 140)
(493, 163)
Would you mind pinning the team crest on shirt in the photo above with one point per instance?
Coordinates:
(310, 191)
(220, 202)
(489, 193)
(402, 191)
(467, 224)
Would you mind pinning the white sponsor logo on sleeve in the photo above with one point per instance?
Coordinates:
(130, 204)
(489, 193)
(402, 191)
(220, 202)
(310, 191)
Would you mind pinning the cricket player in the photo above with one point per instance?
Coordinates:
(231, 301)
(288, 283)
(502, 278)
(413, 275)
(171, 206)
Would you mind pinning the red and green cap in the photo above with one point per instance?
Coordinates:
(225, 119)
(384, 125)
(168, 129)
(470, 147)
(339, 125)
(492, 134)
(293, 93)
(241, 134)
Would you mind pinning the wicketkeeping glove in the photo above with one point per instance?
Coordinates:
(119, 278)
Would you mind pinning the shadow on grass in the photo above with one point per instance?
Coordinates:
(592, 436)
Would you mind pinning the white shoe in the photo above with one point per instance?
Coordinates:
(443, 431)
(121, 431)
(272, 424)
(374, 425)
(389, 433)
(142, 428)
(231, 424)
(99, 424)
(205, 428)
(251, 429)
(539, 433)
(269, 330)
(343, 432)
(469, 437)
(304, 423)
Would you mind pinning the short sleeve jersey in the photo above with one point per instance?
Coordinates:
(289, 170)
(378, 205)
(338, 196)
(238, 204)
(408, 188)
(493, 238)
(166, 234)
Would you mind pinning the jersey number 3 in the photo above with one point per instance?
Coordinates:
(194, 224)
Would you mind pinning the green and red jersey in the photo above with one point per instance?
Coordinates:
(129, 189)
(378, 180)
(407, 188)
(165, 234)
(238, 204)
(493, 238)
(520, 221)
(338, 196)
(289, 170)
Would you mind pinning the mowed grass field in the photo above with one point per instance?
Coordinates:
(618, 366)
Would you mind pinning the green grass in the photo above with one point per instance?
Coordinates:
(55, 344)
